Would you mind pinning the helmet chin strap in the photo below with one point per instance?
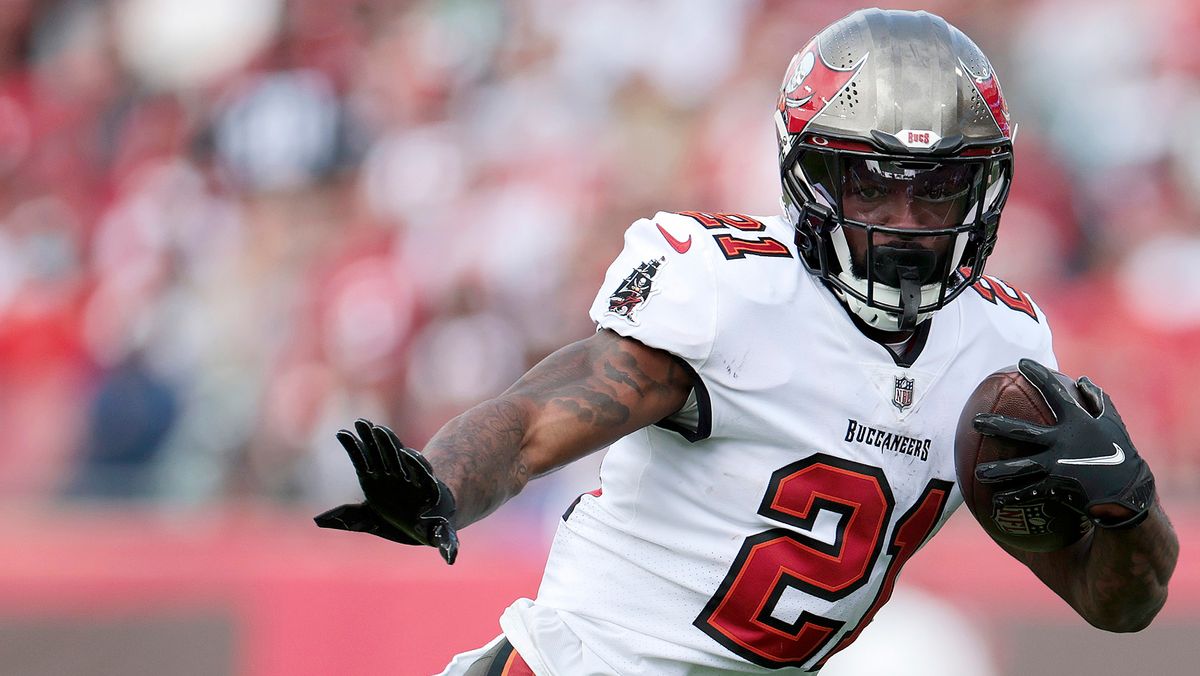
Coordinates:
(905, 269)
(910, 297)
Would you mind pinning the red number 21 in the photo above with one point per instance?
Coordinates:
(734, 247)
(740, 615)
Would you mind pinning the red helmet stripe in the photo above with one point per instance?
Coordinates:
(810, 85)
(989, 89)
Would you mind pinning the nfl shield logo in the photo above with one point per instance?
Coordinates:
(902, 397)
(1022, 519)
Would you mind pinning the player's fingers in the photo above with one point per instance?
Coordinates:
(370, 448)
(388, 452)
(409, 451)
(352, 517)
(354, 449)
(1092, 395)
(1048, 384)
(1104, 406)
(1016, 429)
(405, 453)
(418, 473)
(1008, 470)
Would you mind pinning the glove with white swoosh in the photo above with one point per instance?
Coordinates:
(1090, 463)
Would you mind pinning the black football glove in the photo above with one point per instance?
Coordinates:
(1089, 459)
(405, 502)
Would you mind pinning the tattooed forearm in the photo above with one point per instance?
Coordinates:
(477, 456)
(1127, 573)
(1115, 579)
(577, 400)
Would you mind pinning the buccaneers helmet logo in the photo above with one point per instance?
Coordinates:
(810, 85)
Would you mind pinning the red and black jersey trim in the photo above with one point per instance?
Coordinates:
(575, 503)
(704, 424)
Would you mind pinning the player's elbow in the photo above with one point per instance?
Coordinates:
(1122, 625)
(1127, 620)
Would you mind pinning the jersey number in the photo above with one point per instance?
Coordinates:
(992, 290)
(746, 615)
(736, 247)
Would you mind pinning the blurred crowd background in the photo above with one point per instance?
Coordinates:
(230, 227)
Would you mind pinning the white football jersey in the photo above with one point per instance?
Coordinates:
(763, 530)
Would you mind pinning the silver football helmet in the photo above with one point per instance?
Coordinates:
(895, 151)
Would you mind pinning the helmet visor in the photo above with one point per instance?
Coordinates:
(917, 195)
(895, 193)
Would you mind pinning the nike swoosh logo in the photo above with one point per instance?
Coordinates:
(1116, 458)
(681, 246)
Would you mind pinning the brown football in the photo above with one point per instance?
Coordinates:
(1032, 526)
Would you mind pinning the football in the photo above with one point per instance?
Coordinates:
(1031, 526)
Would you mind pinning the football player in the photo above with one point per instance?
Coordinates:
(779, 396)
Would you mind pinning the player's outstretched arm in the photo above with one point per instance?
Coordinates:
(1116, 576)
(576, 401)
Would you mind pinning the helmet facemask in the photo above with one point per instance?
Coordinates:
(896, 236)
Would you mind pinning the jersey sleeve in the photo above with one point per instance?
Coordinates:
(661, 289)
(1043, 349)
(1007, 318)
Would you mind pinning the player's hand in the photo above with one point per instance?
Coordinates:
(405, 502)
(1090, 463)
